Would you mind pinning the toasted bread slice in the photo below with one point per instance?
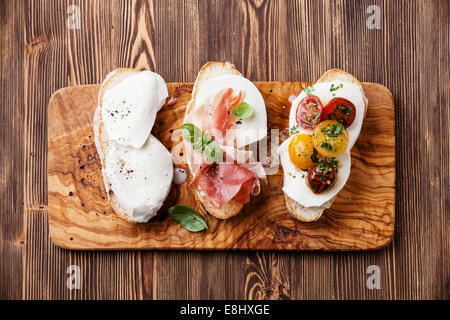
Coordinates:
(112, 79)
(310, 214)
(101, 136)
(209, 71)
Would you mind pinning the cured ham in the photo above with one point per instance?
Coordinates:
(221, 118)
(225, 181)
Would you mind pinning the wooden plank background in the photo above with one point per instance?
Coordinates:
(267, 40)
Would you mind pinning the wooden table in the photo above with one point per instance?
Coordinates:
(267, 40)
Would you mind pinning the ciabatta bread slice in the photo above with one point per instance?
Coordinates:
(310, 214)
(102, 141)
(209, 71)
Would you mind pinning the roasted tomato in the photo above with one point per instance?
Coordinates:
(322, 176)
(309, 112)
(302, 152)
(341, 110)
(330, 138)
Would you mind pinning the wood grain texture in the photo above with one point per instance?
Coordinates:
(268, 40)
(361, 218)
(12, 152)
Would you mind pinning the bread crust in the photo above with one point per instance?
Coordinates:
(341, 75)
(311, 214)
(208, 71)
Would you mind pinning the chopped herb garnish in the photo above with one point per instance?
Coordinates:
(321, 177)
(335, 130)
(314, 155)
(308, 90)
(326, 145)
(293, 130)
(334, 88)
(334, 163)
(322, 162)
(326, 164)
(345, 110)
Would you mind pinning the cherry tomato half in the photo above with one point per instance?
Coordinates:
(341, 110)
(321, 177)
(330, 138)
(302, 152)
(309, 112)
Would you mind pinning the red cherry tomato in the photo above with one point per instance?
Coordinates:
(341, 110)
(309, 112)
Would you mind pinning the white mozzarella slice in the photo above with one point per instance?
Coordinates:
(348, 91)
(294, 181)
(129, 108)
(140, 178)
(249, 130)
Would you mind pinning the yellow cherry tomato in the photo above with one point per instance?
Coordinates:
(330, 138)
(301, 151)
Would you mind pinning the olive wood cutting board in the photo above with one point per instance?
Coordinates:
(80, 217)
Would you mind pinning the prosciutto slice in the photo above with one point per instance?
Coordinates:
(221, 118)
(228, 180)
(223, 182)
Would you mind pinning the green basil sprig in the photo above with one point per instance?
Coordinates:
(188, 218)
(211, 149)
(242, 111)
(193, 135)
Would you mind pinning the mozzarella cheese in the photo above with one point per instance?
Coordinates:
(249, 130)
(139, 177)
(348, 91)
(294, 181)
(129, 108)
(136, 167)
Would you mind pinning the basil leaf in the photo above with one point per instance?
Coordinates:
(212, 151)
(192, 134)
(206, 138)
(188, 218)
(188, 132)
(242, 111)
